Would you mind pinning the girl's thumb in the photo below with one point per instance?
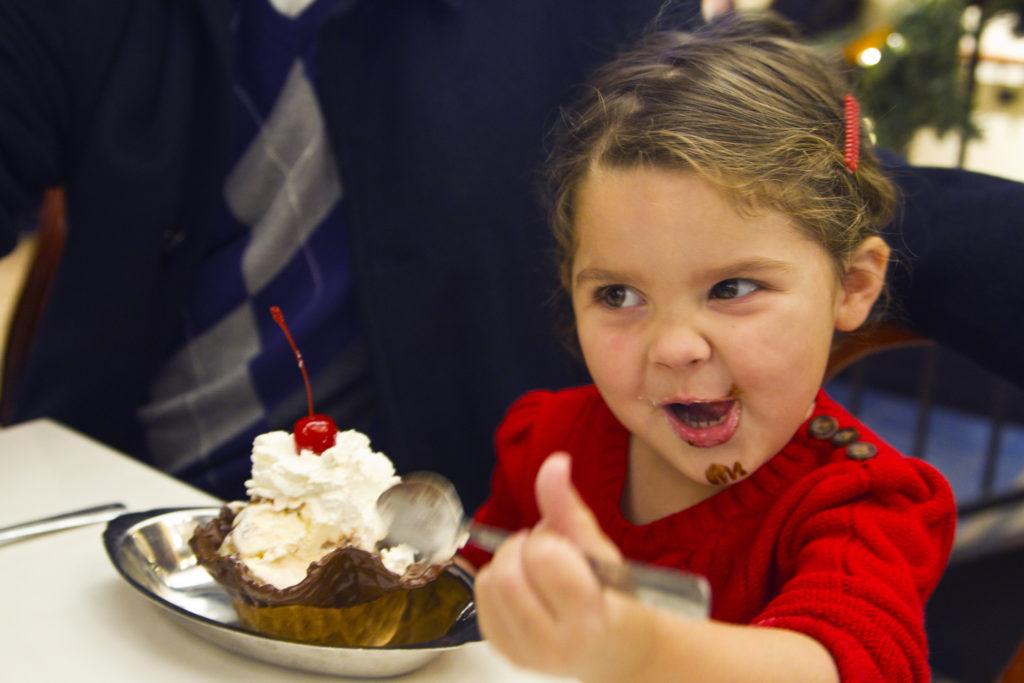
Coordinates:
(564, 512)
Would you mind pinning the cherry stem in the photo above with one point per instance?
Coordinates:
(275, 311)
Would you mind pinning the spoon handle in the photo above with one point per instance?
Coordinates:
(681, 592)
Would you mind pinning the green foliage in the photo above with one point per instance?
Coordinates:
(918, 81)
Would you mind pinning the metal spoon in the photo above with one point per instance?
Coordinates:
(66, 520)
(424, 511)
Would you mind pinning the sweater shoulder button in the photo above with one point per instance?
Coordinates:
(845, 436)
(861, 450)
(823, 427)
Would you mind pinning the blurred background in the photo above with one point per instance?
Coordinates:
(942, 82)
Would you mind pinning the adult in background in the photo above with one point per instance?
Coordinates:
(370, 167)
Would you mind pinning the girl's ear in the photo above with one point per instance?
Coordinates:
(862, 283)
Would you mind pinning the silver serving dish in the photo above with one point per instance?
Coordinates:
(150, 550)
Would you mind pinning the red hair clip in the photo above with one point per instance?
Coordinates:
(851, 145)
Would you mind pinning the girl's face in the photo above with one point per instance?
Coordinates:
(707, 332)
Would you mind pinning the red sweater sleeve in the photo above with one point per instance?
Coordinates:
(510, 504)
(859, 552)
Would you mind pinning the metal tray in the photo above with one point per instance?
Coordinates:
(150, 551)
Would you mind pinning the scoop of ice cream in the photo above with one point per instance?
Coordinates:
(398, 558)
(343, 577)
(276, 545)
(304, 505)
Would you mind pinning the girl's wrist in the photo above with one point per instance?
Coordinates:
(637, 635)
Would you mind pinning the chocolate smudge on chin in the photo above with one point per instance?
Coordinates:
(718, 475)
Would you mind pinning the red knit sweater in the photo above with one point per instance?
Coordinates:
(838, 536)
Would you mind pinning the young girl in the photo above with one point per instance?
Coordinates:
(717, 213)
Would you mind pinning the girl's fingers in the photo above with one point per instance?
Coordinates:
(561, 577)
(564, 512)
(510, 614)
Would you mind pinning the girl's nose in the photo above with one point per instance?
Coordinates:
(676, 344)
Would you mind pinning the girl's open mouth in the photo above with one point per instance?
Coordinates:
(704, 423)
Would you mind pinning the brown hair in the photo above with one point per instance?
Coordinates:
(744, 104)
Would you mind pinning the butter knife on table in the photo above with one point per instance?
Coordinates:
(64, 520)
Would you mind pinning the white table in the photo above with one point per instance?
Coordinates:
(68, 616)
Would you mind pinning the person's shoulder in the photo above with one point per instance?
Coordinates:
(542, 410)
(862, 493)
(537, 424)
(857, 463)
(541, 403)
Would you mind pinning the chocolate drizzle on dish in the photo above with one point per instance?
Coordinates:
(344, 577)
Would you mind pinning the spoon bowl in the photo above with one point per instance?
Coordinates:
(424, 511)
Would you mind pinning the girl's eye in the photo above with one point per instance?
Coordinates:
(617, 296)
(733, 288)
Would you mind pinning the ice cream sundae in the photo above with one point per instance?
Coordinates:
(303, 560)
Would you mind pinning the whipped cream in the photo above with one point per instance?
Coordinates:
(304, 505)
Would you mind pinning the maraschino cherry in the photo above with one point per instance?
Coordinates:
(314, 432)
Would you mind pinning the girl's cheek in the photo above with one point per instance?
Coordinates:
(609, 345)
(618, 341)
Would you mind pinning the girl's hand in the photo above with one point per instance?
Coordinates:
(541, 606)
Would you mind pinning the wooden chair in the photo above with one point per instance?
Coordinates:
(1014, 671)
(886, 335)
(31, 300)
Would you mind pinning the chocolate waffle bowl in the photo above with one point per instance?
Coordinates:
(151, 551)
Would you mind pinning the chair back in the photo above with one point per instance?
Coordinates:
(31, 300)
(886, 335)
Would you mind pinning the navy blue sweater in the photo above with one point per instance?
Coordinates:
(437, 112)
